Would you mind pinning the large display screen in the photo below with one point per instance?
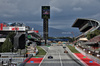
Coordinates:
(45, 12)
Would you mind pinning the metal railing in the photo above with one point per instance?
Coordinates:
(17, 60)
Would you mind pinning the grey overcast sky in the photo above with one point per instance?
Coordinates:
(63, 12)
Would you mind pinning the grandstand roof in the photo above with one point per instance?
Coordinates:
(79, 21)
(86, 24)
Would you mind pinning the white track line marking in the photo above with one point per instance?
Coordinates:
(43, 57)
(80, 60)
(43, 48)
(60, 59)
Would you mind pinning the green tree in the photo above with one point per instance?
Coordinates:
(89, 35)
(96, 32)
(7, 45)
(93, 34)
(11, 36)
(0, 47)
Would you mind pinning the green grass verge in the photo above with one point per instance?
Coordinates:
(41, 51)
(73, 49)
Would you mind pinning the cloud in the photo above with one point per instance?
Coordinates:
(63, 12)
(96, 16)
(77, 9)
(56, 9)
(61, 24)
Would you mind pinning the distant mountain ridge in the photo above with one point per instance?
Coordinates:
(53, 32)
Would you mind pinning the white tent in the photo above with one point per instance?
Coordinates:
(83, 39)
(2, 39)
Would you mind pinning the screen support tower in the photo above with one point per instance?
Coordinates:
(45, 30)
(45, 17)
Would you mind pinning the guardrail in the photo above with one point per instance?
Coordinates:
(13, 59)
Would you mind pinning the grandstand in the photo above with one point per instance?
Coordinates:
(85, 26)
(18, 28)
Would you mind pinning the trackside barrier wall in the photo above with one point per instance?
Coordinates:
(89, 56)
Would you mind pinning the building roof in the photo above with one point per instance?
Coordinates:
(85, 25)
(79, 21)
